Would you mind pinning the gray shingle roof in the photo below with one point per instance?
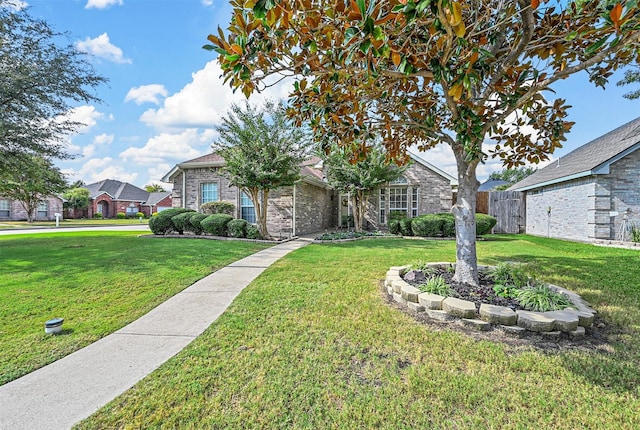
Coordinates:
(591, 158)
(123, 191)
(154, 198)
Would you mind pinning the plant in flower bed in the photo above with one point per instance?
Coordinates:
(506, 285)
(343, 235)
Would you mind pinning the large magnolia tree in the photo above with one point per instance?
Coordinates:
(421, 72)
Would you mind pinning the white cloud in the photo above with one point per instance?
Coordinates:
(87, 115)
(102, 4)
(146, 93)
(171, 147)
(101, 47)
(202, 102)
(103, 139)
(206, 2)
(16, 5)
(97, 169)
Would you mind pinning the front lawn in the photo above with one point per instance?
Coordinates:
(97, 281)
(95, 222)
(312, 344)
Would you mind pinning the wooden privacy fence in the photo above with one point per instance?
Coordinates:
(508, 207)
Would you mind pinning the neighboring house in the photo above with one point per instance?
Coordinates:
(12, 210)
(311, 205)
(492, 184)
(108, 197)
(590, 193)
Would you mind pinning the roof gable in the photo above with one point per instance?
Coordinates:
(592, 158)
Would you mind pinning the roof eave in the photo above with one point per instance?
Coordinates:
(555, 181)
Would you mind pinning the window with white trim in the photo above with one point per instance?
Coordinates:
(43, 210)
(414, 202)
(383, 206)
(209, 192)
(247, 209)
(5, 211)
(398, 199)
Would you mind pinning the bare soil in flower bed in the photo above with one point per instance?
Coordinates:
(478, 295)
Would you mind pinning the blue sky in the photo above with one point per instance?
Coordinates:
(164, 95)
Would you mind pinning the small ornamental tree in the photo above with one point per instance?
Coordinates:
(262, 151)
(421, 72)
(77, 198)
(359, 177)
(35, 179)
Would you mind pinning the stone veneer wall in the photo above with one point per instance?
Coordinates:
(623, 181)
(17, 212)
(579, 210)
(316, 209)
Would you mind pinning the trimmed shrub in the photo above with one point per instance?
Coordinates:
(97, 215)
(397, 215)
(405, 226)
(140, 215)
(216, 224)
(347, 221)
(211, 208)
(253, 232)
(394, 226)
(237, 228)
(429, 225)
(195, 220)
(181, 222)
(484, 224)
(161, 222)
(121, 215)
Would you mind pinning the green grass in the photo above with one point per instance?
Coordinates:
(312, 344)
(12, 225)
(97, 282)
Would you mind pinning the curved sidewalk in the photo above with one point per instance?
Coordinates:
(74, 387)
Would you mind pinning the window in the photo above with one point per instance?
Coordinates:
(400, 181)
(4, 209)
(398, 200)
(43, 210)
(414, 202)
(209, 192)
(132, 211)
(383, 206)
(248, 211)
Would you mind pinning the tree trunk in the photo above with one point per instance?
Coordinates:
(465, 214)
(355, 204)
(260, 206)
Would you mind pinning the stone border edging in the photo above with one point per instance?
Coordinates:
(553, 323)
(196, 236)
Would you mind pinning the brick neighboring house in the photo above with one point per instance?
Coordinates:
(12, 210)
(589, 193)
(108, 197)
(311, 205)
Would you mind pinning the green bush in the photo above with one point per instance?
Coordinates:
(120, 215)
(216, 224)
(212, 208)
(195, 220)
(237, 228)
(394, 226)
(253, 232)
(397, 215)
(347, 221)
(635, 234)
(161, 222)
(429, 225)
(181, 222)
(510, 275)
(140, 215)
(436, 285)
(540, 298)
(97, 215)
(405, 227)
(448, 225)
(484, 224)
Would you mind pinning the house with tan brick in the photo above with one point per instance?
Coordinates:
(591, 193)
(311, 205)
(12, 210)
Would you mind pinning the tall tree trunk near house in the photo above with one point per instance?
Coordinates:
(259, 200)
(465, 214)
(355, 204)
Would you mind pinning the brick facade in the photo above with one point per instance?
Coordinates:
(17, 212)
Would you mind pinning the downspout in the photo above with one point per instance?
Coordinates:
(184, 189)
(293, 220)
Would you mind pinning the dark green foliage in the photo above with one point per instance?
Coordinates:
(121, 215)
(347, 221)
(405, 227)
(237, 228)
(484, 224)
(211, 208)
(510, 274)
(540, 298)
(181, 222)
(397, 215)
(162, 223)
(449, 225)
(195, 220)
(253, 232)
(429, 225)
(97, 215)
(216, 224)
(394, 226)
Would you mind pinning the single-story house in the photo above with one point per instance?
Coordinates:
(12, 210)
(589, 194)
(311, 205)
(109, 197)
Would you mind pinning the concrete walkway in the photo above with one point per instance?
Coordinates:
(74, 387)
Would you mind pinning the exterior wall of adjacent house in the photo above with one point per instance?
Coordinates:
(584, 209)
(316, 209)
(17, 213)
(623, 181)
(427, 192)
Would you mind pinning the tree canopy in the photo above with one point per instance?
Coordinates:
(34, 179)
(154, 188)
(262, 151)
(421, 72)
(40, 78)
(359, 178)
(77, 198)
(513, 175)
